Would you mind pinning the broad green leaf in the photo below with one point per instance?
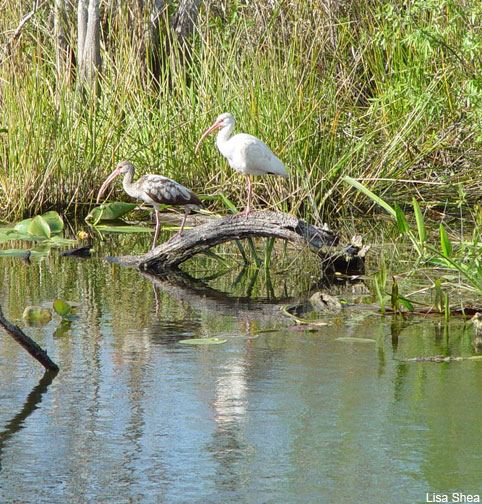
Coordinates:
(422, 232)
(22, 226)
(111, 211)
(61, 307)
(401, 220)
(36, 315)
(203, 341)
(39, 227)
(54, 221)
(445, 242)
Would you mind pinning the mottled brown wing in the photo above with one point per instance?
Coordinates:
(166, 191)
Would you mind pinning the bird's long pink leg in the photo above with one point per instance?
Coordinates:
(186, 213)
(158, 225)
(250, 192)
(179, 233)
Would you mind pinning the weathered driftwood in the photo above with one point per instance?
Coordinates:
(170, 255)
(28, 343)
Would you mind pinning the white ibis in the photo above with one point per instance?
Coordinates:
(154, 190)
(245, 153)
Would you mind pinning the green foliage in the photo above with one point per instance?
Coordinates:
(375, 91)
(467, 261)
(46, 228)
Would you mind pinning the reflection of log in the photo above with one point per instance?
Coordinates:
(237, 227)
(198, 295)
(31, 404)
(28, 343)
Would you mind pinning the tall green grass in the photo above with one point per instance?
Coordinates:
(387, 92)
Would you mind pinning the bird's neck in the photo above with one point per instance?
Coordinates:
(223, 137)
(127, 181)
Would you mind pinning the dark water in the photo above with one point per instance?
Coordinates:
(267, 417)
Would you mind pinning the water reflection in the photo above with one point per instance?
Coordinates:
(268, 417)
(31, 404)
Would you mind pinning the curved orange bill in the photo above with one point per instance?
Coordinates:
(108, 180)
(214, 127)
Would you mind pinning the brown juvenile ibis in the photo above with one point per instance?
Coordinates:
(245, 153)
(154, 190)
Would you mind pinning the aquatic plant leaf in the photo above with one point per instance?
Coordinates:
(422, 232)
(34, 315)
(203, 341)
(355, 340)
(445, 242)
(401, 220)
(111, 211)
(124, 228)
(39, 227)
(408, 305)
(54, 221)
(22, 226)
(62, 308)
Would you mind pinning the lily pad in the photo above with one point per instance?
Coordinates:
(61, 307)
(36, 315)
(111, 211)
(203, 341)
(55, 222)
(39, 227)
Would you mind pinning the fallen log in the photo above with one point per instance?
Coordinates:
(169, 255)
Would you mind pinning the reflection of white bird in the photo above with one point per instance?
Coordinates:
(154, 190)
(245, 153)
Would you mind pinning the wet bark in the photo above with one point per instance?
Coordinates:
(28, 343)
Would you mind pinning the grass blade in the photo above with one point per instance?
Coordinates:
(372, 196)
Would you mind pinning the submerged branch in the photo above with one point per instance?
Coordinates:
(28, 343)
